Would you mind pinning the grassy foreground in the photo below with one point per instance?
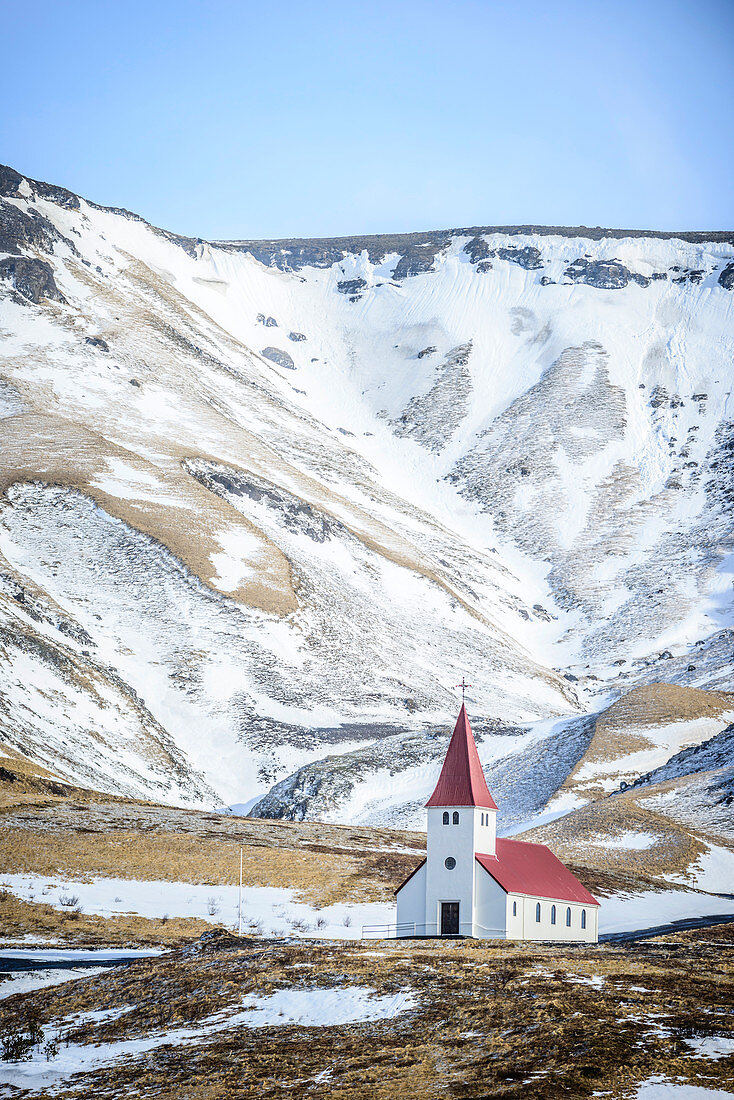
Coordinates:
(488, 1020)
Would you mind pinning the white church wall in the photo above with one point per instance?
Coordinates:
(530, 928)
(411, 918)
(452, 841)
(490, 909)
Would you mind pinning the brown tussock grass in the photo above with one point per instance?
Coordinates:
(490, 1020)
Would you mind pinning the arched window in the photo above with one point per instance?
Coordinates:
(456, 817)
(568, 917)
(583, 918)
(482, 821)
(446, 817)
(514, 908)
(537, 912)
(553, 914)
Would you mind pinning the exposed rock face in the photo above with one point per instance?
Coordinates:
(97, 342)
(527, 257)
(417, 259)
(19, 230)
(32, 278)
(726, 277)
(603, 274)
(351, 286)
(477, 249)
(277, 355)
(293, 513)
(296, 337)
(433, 417)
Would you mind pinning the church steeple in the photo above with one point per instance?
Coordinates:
(462, 782)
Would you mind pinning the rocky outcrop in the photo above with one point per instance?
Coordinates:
(477, 249)
(353, 287)
(282, 358)
(432, 418)
(417, 259)
(726, 277)
(527, 257)
(297, 337)
(33, 279)
(602, 274)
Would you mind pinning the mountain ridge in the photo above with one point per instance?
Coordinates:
(288, 499)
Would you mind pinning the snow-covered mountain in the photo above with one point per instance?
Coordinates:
(264, 503)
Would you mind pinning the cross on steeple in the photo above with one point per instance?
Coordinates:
(463, 685)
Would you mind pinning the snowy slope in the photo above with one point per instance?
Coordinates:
(264, 504)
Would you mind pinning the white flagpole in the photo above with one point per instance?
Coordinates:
(239, 922)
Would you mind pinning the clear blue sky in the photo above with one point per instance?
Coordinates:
(239, 119)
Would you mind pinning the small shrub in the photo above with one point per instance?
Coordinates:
(18, 1046)
(51, 1048)
(299, 925)
(320, 923)
(347, 922)
(165, 918)
(68, 900)
(212, 906)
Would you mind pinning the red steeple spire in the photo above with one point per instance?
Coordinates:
(462, 782)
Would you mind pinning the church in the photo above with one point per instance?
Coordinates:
(473, 884)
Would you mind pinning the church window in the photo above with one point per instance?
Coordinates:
(514, 908)
(553, 914)
(456, 817)
(583, 918)
(446, 817)
(449, 863)
(568, 917)
(537, 912)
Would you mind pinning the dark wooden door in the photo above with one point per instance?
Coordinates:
(449, 918)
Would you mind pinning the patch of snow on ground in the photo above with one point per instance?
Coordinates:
(712, 1046)
(26, 981)
(302, 1007)
(713, 870)
(628, 912)
(633, 841)
(272, 908)
(657, 1088)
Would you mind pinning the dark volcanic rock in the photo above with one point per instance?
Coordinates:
(18, 229)
(97, 342)
(527, 257)
(294, 513)
(603, 274)
(726, 277)
(10, 181)
(351, 286)
(282, 358)
(484, 265)
(477, 249)
(33, 279)
(419, 258)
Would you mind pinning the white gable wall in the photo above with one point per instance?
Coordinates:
(412, 905)
(490, 912)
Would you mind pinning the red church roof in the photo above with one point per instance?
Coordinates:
(462, 782)
(522, 868)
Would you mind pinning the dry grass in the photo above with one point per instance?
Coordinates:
(51, 829)
(620, 729)
(490, 1020)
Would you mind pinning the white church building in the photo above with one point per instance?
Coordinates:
(473, 884)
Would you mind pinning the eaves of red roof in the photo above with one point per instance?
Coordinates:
(462, 782)
(522, 868)
(407, 880)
